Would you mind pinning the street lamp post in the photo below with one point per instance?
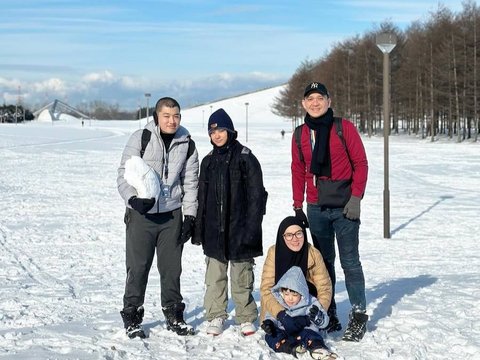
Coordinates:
(147, 95)
(139, 116)
(246, 122)
(386, 42)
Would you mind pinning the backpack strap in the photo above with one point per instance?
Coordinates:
(191, 147)
(339, 128)
(146, 135)
(298, 140)
(243, 166)
(243, 170)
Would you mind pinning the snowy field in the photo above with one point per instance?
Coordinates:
(62, 245)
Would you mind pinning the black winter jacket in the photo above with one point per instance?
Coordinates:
(232, 200)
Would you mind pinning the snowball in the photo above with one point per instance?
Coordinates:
(142, 177)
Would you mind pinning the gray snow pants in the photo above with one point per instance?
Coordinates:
(146, 234)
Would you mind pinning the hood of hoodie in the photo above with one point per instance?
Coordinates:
(294, 280)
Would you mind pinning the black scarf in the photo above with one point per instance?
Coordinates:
(286, 258)
(321, 163)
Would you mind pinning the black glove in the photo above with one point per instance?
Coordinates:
(188, 228)
(141, 205)
(300, 215)
(269, 327)
(293, 325)
(196, 240)
(318, 317)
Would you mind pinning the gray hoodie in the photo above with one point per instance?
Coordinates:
(170, 166)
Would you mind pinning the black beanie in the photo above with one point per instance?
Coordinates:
(220, 120)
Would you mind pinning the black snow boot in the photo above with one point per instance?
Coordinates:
(174, 320)
(132, 320)
(333, 324)
(357, 326)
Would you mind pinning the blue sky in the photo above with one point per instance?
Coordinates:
(193, 50)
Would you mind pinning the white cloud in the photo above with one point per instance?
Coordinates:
(102, 77)
(128, 92)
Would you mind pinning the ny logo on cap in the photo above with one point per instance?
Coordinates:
(314, 86)
(213, 126)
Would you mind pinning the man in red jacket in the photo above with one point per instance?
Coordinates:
(330, 165)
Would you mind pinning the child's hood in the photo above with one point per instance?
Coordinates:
(295, 280)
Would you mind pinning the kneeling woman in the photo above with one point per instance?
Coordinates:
(292, 249)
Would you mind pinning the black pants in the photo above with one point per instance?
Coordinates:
(146, 234)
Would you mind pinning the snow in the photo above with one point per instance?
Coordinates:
(62, 245)
(142, 177)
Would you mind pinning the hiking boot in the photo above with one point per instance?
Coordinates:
(333, 323)
(174, 320)
(357, 326)
(247, 328)
(132, 321)
(215, 327)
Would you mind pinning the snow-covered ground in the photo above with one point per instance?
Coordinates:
(62, 245)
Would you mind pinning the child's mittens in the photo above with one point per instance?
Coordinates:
(269, 327)
(319, 317)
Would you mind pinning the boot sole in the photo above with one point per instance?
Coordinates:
(180, 332)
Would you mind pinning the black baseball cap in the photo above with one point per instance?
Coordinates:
(316, 87)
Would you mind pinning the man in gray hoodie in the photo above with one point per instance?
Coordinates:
(163, 223)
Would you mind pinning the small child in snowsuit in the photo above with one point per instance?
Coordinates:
(298, 327)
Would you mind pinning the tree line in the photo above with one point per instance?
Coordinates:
(433, 78)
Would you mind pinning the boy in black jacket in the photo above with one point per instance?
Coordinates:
(231, 200)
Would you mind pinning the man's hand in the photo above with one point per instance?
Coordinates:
(188, 228)
(300, 215)
(141, 205)
(352, 209)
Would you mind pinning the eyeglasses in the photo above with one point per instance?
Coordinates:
(289, 236)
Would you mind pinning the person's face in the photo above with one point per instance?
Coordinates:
(316, 104)
(169, 119)
(294, 237)
(219, 137)
(290, 297)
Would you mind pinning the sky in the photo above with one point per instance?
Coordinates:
(62, 245)
(194, 50)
